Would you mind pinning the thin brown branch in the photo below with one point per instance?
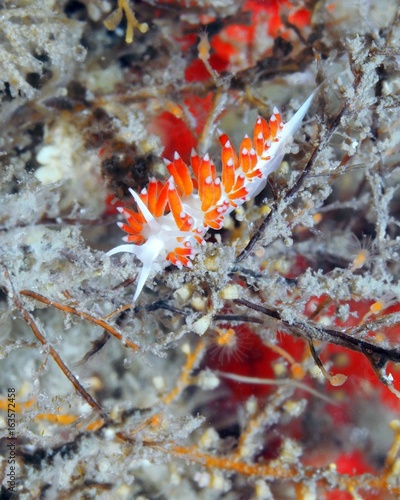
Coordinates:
(240, 318)
(81, 314)
(312, 331)
(53, 353)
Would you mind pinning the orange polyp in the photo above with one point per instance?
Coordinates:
(244, 159)
(245, 162)
(215, 218)
(136, 239)
(187, 223)
(254, 173)
(377, 306)
(144, 196)
(259, 144)
(204, 47)
(204, 172)
(240, 193)
(226, 337)
(239, 182)
(246, 143)
(172, 169)
(228, 151)
(213, 222)
(217, 190)
(248, 160)
(162, 199)
(132, 225)
(278, 117)
(261, 127)
(152, 195)
(195, 163)
(297, 371)
(185, 261)
(360, 259)
(213, 170)
(131, 228)
(273, 126)
(223, 138)
(232, 154)
(172, 258)
(183, 251)
(253, 158)
(228, 174)
(130, 214)
(207, 197)
(184, 175)
(175, 204)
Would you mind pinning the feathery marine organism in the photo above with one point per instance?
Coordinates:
(173, 217)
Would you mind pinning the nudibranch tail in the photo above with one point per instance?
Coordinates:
(173, 217)
(294, 123)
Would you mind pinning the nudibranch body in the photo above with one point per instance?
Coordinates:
(173, 217)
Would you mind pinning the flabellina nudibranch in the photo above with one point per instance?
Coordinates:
(173, 217)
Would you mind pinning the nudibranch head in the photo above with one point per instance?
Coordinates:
(174, 216)
(156, 240)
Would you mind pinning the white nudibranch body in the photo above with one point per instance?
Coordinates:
(174, 216)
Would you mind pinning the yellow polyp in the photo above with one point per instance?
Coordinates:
(265, 210)
(297, 371)
(279, 369)
(174, 109)
(259, 252)
(395, 426)
(204, 54)
(212, 263)
(112, 21)
(155, 420)
(337, 380)
(377, 307)
(342, 360)
(204, 47)
(360, 259)
(225, 337)
(317, 218)
(380, 336)
(230, 292)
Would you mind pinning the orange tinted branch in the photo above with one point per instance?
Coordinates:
(184, 380)
(81, 314)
